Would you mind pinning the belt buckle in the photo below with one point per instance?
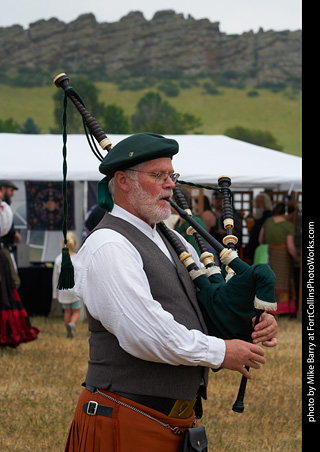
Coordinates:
(95, 407)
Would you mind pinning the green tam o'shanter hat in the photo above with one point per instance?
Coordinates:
(129, 152)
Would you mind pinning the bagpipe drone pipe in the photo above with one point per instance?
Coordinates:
(228, 305)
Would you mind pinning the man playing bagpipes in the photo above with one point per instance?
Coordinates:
(150, 353)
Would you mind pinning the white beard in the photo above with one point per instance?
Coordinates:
(148, 208)
(258, 212)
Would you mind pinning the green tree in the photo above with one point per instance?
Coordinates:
(89, 94)
(114, 120)
(8, 126)
(169, 88)
(158, 116)
(29, 127)
(254, 136)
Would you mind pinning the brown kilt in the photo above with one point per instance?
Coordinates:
(123, 429)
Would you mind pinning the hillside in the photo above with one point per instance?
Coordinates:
(125, 59)
(168, 42)
(279, 113)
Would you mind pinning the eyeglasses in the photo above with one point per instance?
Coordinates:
(161, 177)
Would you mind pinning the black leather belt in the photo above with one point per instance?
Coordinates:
(94, 409)
(162, 404)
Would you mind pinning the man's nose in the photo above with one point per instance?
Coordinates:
(169, 183)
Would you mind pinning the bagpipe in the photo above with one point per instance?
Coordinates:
(228, 303)
(230, 296)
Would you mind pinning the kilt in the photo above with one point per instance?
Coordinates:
(123, 429)
(15, 326)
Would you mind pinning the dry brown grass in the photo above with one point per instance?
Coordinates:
(272, 420)
(41, 382)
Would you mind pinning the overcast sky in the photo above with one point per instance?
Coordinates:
(235, 16)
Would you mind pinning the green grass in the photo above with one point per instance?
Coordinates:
(41, 383)
(22, 103)
(279, 113)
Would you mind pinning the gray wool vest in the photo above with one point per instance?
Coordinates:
(112, 368)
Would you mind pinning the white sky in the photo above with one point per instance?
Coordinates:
(235, 16)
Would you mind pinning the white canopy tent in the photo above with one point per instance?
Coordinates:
(201, 159)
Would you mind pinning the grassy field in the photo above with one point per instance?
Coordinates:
(41, 382)
(278, 113)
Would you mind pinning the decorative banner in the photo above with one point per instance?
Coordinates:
(45, 205)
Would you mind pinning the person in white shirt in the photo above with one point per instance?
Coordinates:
(70, 302)
(6, 217)
(149, 351)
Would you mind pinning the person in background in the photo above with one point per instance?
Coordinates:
(210, 220)
(218, 231)
(249, 222)
(6, 217)
(207, 215)
(8, 241)
(262, 211)
(70, 302)
(15, 326)
(278, 232)
(94, 216)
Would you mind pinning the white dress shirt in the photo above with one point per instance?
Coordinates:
(63, 296)
(110, 279)
(6, 217)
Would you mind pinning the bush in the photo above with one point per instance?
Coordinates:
(158, 116)
(254, 136)
(274, 87)
(170, 89)
(253, 93)
(134, 85)
(29, 127)
(210, 89)
(115, 120)
(8, 126)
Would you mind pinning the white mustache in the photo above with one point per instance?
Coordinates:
(164, 196)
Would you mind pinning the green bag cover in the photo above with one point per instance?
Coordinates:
(228, 307)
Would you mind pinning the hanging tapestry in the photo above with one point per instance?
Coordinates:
(45, 205)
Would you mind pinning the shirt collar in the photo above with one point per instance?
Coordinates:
(119, 212)
(150, 232)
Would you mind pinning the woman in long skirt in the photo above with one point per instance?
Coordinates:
(278, 233)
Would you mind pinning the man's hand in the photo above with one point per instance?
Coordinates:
(265, 331)
(240, 353)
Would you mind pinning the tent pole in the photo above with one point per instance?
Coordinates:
(85, 198)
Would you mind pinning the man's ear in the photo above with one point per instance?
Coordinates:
(123, 181)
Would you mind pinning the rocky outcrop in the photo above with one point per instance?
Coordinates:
(168, 42)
